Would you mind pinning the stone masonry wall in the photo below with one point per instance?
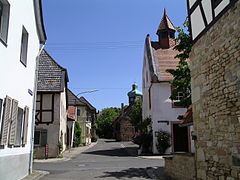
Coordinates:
(215, 66)
(180, 166)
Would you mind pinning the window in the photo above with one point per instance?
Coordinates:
(1, 101)
(40, 137)
(149, 98)
(18, 140)
(171, 34)
(178, 96)
(78, 112)
(44, 108)
(4, 20)
(24, 46)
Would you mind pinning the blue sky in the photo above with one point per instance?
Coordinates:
(101, 42)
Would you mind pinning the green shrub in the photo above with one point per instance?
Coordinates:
(94, 138)
(163, 141)
(77, 140)
(144, 141)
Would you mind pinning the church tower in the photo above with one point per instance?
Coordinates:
(166, 32)
(134, 94)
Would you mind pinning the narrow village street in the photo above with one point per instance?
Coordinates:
(106, 160)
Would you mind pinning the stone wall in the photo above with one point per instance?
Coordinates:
(180, 166)
(215, 66)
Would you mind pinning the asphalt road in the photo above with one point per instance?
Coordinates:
(107, 160)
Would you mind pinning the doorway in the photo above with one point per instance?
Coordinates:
(180, 138)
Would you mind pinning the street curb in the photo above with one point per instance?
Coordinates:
(67, 155)
(36, 175)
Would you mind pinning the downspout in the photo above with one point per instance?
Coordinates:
(34, 111)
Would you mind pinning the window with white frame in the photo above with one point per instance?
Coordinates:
(24, 47)
(4, 20)
(179, 96)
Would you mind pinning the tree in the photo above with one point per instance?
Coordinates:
(77, 135)
(181, 76)
(104, 122)
(135, 116)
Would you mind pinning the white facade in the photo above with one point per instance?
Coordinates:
(156, 102)
(17, 82)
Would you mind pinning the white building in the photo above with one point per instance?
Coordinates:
(21, 33)
(158, 57)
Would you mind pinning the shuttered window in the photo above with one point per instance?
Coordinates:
(25, 124)
(6, 120)
(18, 140)
(13, 123)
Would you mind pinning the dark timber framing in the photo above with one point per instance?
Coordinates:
(40, 111)
(214, 3)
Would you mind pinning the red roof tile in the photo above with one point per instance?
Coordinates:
(71, 114)
(166, 23)
(164, 59)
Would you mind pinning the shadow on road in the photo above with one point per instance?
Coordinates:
(120, 152)
(130, 173)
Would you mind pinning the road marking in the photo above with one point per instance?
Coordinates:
(123, 146)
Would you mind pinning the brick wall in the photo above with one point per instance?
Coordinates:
(215, 66)
(180, 166)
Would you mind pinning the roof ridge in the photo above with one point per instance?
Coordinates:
(54, 60)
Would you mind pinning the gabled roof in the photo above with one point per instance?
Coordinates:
(39, 21)
(51, 76)
(166, 23)
(83, 100)
(163, 60)
(159, 60)
(73, 99)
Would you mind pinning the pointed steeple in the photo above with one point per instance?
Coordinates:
(166, 23)
(166, 32)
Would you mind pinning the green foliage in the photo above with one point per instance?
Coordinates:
(94, 138)
(144, 137)
(77, 135)
(135, 116)
(144, 141)
(182, 76)
(104, 122)
(60, 156)
(163, 141)
(60, 147)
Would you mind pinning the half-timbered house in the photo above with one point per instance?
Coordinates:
(50, 136)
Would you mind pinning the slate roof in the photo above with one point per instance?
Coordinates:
(83, 100)
(73, 99)
(51, 76)
(166, 23)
